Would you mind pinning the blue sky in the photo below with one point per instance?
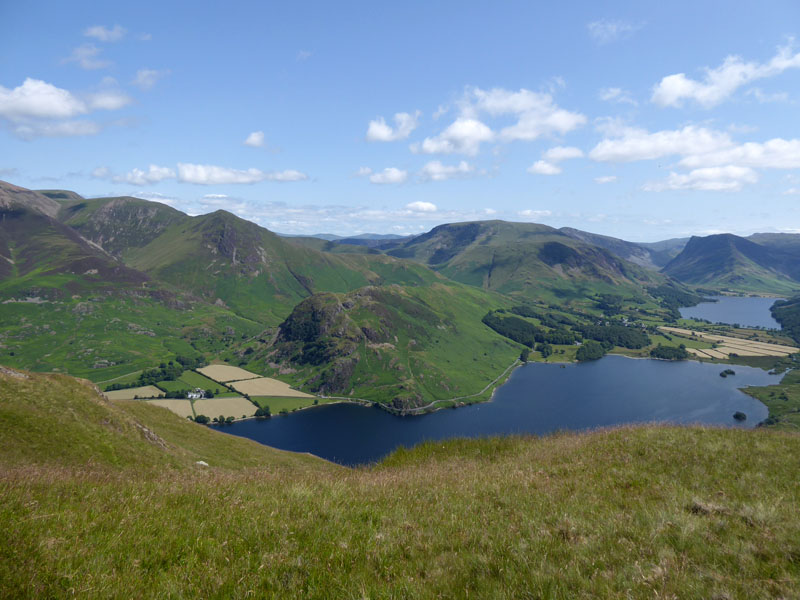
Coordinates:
(634, 119)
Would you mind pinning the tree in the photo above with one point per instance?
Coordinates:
(545, 348)
(669, 352)
(202, 419)
(209, 393)
(523, 356)
(263, 412)
(229, 420)
(590, 350)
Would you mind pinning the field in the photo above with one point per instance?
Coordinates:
(148, 391)
(266, 386)
(182, 408)
(277, 404)
(229, 407)
(226, 373)
(727, 345)
(191, 380)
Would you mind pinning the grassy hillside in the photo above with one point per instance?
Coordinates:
(62, 422)
(523, 259)
(403, 346)
(41, 257)
(634, 512)
(119, 225)
(222, 258)
(727, 261)
(644, 255)
(103, 337)
(783, 402)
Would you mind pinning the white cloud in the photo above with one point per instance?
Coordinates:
(764, 98)
(550, 159)
(421, 207)
(605, 179)
(729, 178)
(718, 84)
(559, 153)
(542, 167)
(154, 174)
(389, 175)
(537, 113)
(405, 123)
(147, 78)
(33, 129)
(39, 109)
(617, 95)
(436, 171)
(86, 56)
(463, 136)
(303, 55)
(363, 172)
(105, 34)
(255, 139)
(773, 154)
(198, 174)
(108, 100)
(604, 31)
(638, 144)
(212, 174)
(101, 173)
(792, 192)
(39, 99)
(534, 214)
(285, 176)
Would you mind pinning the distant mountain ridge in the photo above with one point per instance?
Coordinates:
(521, 258)
(729, 261)
(649, 255)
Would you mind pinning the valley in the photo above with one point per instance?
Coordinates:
(409, 324)
(371, 301)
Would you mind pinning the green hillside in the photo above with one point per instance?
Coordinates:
(727, 261)
(104, 337)
(119, 225)
(39, 256)
(105, 500)
(402, 346)
(523, 259)
(644, 255)
(58, 421)
(232, 262)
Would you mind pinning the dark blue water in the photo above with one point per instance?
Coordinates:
(538, 398)
(748, 312)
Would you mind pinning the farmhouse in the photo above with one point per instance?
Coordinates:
(196, 394)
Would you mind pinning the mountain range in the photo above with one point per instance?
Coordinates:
(100, 287)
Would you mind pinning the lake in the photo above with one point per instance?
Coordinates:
(538, 398)
(748, 312)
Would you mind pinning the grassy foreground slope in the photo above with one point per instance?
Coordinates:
(62, 422)
(635, 512)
